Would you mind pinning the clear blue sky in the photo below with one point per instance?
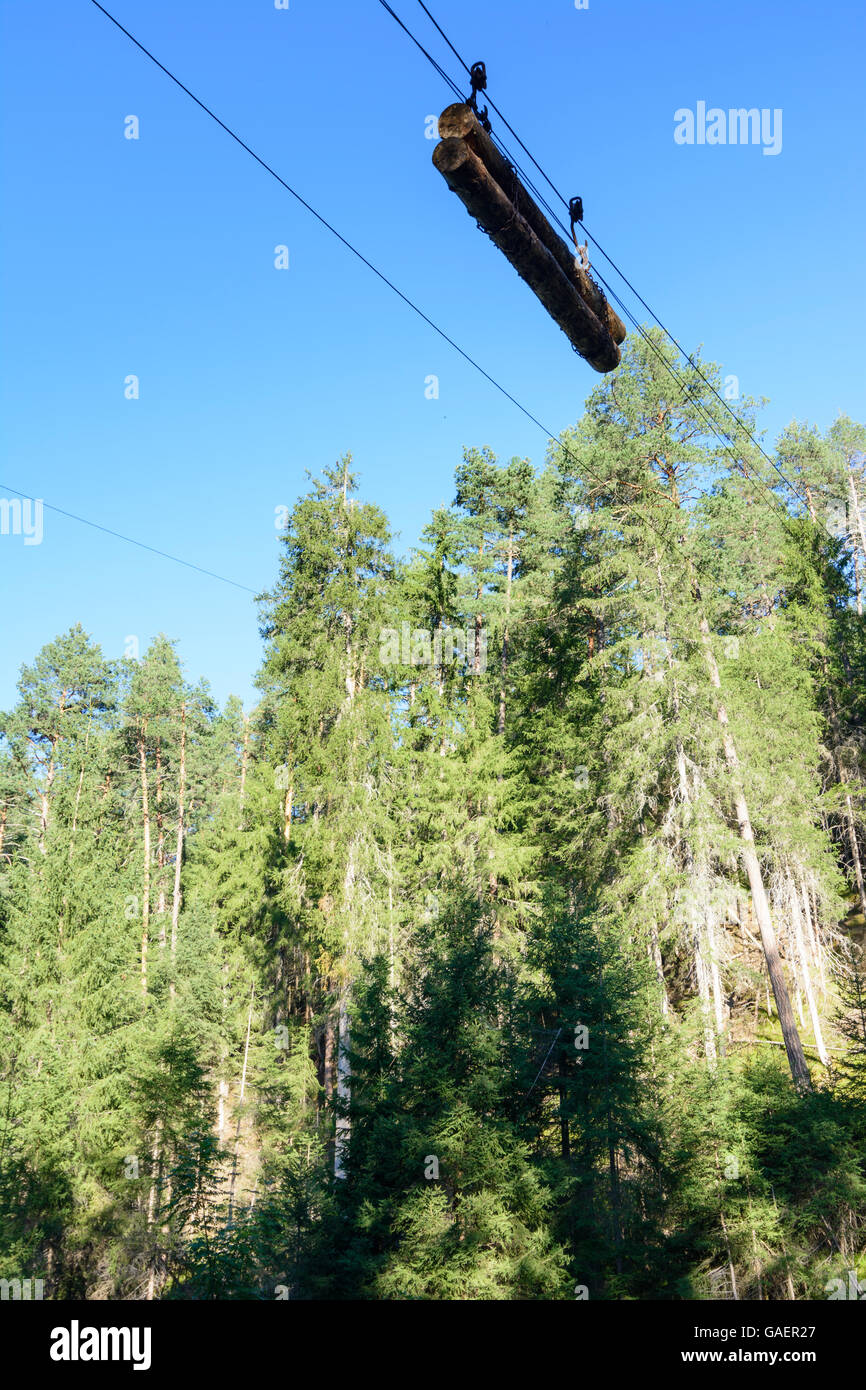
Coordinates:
(155, 257)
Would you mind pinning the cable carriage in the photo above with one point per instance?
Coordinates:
(492, 193)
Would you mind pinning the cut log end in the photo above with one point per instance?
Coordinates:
(457, 120)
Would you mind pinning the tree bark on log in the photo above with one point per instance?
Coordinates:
(460, 122)
(493, 210)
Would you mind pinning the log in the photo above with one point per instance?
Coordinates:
(493, 210)
(460, 122)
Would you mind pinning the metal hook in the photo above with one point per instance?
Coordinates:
(478, 78)
(575, 212)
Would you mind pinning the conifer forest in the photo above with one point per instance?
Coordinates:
(433, 696)
(511, 945)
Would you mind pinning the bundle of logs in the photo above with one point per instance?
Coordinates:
(491, 192)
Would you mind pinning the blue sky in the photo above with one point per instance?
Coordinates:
(155, 257)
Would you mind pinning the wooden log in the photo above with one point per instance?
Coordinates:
(492, 209)
(460, 122)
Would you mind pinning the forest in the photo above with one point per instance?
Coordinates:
(511, 947)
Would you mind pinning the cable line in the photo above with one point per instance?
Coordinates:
(724, 439)
(441, 71)
(550, 435)
(604, 253)
(71, 516)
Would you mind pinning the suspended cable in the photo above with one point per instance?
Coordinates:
(604, 253)
(550, 435)
(441, 71)
(84, 521)
(723, 439)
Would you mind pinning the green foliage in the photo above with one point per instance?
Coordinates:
(439, 975)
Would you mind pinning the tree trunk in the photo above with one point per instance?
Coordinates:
(814, 931)
(77, 800)
(392, 972)
(160, 845)
(702, 974)
(479, 617)
(805, 974)
(178, 858)
(155, 1184)
(793, 1045)
(145, 893)
(855, 503)
(656, 957)
(811, 505)
(244, 760)
(504, 660)
(240, 1109)
(328, 1077)
(716, 982)
(45, 797)
(344, 1088)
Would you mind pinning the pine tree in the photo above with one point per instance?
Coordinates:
(439, 1180)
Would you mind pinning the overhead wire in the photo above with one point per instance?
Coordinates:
(164, 554)
(612, 293)
(594, 241)
(695, 366)
(441, 71)
(725, 440)
(550, 435)
(663, 535)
